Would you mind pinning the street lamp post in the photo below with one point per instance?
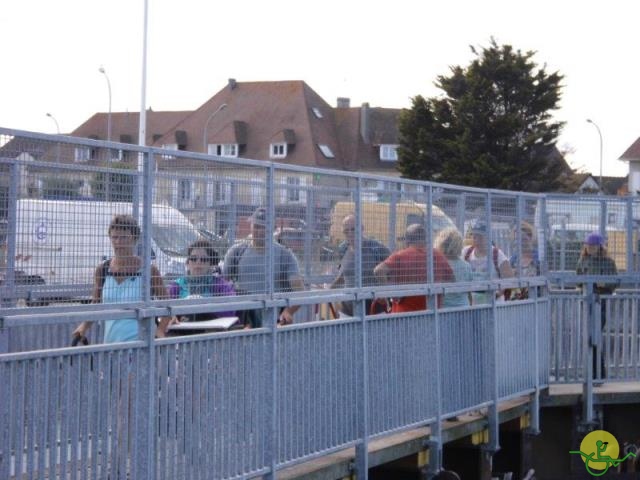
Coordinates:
(58, 132)
(104, 72)
(206, 126)
(55, 121)
(600, 135)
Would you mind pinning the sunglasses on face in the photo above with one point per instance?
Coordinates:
(199, 259)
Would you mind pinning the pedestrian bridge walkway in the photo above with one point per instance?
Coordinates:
(274, 401)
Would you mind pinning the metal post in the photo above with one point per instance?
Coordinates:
(362, 448)
(270, 320)
(57, 132)
(142, 126)
(590, 307)
(494, 427)
(104, 72)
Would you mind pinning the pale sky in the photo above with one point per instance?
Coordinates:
(383, 53)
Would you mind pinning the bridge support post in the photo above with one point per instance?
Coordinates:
(430, 461)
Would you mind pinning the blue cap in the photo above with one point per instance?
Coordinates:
(594, 238)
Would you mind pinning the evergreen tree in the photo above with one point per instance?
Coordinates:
(492, 128)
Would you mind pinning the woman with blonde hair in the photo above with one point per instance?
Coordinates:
(449, 243)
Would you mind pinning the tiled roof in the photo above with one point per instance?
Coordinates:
(125, 125)
(632, 153)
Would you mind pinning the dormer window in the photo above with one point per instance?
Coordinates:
(278, 150)
(223, 149)
(316, 111)
(326, 151)
(389, 152)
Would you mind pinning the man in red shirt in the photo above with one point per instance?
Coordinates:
(409, 266)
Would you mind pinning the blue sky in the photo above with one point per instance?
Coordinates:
(378, 52)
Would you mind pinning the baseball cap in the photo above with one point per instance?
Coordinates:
(594, 238)
(479, 227)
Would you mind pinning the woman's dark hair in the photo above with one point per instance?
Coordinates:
(207, 246)
(125, 222)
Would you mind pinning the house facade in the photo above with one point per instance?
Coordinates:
(282, 121)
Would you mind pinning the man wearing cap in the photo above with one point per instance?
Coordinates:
(476, 255)
(410, 266)
(246, 265)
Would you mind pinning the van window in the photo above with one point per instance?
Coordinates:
(174, 239)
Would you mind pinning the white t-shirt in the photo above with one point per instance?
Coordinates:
(479, 269)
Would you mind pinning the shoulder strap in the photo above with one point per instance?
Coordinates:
(495, 259)
(235, 261)
(104, 271)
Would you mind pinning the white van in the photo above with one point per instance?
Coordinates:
(62, 241)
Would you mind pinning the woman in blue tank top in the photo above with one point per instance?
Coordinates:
(119, 280)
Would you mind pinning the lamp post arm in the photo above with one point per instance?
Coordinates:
(206, 126)
(600, 136)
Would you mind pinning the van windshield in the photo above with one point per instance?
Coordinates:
(174, 239)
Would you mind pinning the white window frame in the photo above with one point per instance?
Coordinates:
(223, 149)
(293, 189)
(169, 146)
(278, 150)
(82, 154)
(389, 152)
(316, 111)
(221, 192)
(116, 155)
(326, 150)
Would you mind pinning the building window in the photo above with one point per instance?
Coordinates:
(326, 151)
(293, 192)
(82, 154)
(222, 192)
(389, 153)
(223, 149)
(169, 146)
(185, 189)
(316, 111)
(116, 155)
(278, 150)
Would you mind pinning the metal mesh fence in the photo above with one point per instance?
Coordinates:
(145, 233)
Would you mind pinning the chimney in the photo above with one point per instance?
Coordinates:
(343, 102)
(232, 83)
(364, 122)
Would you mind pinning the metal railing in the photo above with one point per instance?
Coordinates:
(249, 402)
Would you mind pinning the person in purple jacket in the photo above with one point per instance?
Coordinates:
(203, 279)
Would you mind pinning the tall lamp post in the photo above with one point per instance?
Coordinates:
(206, 126)
(600, 135)
(58, 132)
(104, 72)
(55, 121)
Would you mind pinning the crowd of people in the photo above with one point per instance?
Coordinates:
(245, 270)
